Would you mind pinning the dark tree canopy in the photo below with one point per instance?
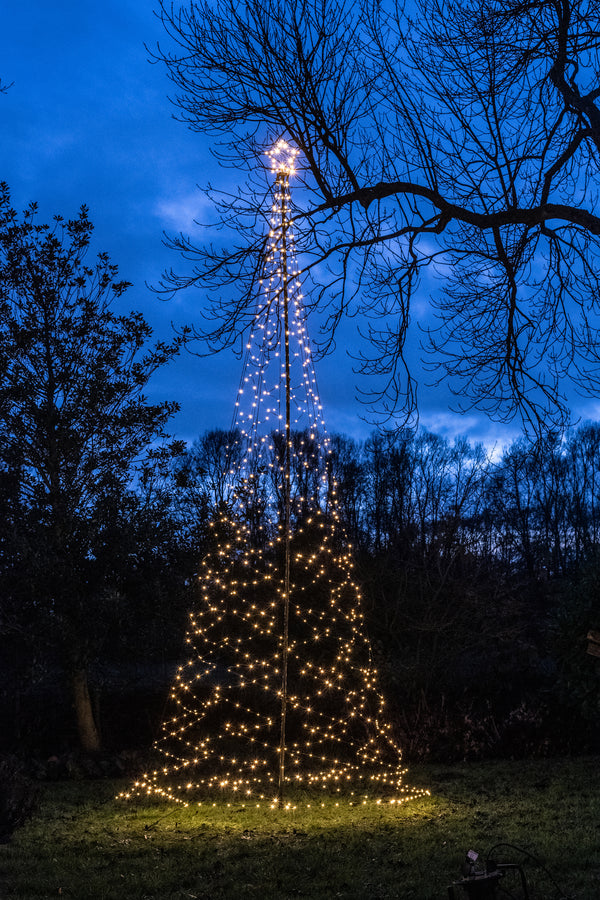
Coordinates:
(75, 430)
(73, 372)
(459, 140)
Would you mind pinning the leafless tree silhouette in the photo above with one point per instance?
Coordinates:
(455, 138)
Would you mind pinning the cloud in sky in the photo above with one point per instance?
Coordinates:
(88, 121)
(179, 212)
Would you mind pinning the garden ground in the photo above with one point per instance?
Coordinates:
(82, 843)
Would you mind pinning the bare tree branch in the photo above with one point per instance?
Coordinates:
(462, 139)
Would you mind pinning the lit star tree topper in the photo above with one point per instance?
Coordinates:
(283, 158)
(279, 691)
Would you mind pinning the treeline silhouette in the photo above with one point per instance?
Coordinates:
(480, 573)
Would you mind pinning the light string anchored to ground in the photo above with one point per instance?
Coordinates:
(279, 697)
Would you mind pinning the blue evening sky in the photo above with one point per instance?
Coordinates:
(88, 120)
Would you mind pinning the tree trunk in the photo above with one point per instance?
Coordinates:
(89, 737)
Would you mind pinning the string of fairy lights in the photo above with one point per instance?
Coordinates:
(259, 416)
(279, 696)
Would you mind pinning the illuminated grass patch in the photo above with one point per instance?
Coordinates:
(83, 844)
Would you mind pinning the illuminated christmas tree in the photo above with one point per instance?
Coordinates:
(279, 690)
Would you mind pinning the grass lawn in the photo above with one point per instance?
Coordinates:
(82, 843)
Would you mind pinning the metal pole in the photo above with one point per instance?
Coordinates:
(283, 181)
